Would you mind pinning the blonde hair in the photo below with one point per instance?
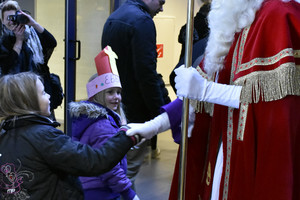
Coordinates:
(100, 99)
(18, 95)
(7, 6)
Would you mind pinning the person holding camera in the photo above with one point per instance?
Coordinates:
(25, 45)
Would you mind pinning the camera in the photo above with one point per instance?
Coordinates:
(18, 18)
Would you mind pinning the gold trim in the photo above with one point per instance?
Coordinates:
(270, 85)
(265, 85)
(243, 107)
(229, 149)
(201, 107)
(266, 61)
(297, 53)
(203, 74)
(208, 175)
(242, 46)
(230, 120)
(242, 121)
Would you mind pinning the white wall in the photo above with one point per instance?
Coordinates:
(168, 24)
(176, 9)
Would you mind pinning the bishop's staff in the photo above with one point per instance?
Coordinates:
(185, 115)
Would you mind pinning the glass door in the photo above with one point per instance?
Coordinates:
(78, 25)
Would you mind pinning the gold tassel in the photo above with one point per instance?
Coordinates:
(270, 85)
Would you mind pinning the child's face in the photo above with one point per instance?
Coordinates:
(113, 98)
(43, 97)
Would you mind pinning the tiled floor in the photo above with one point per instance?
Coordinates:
(154, 180)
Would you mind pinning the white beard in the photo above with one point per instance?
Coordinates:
(226, 18)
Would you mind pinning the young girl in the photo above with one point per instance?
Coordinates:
(38, 161)
(94, 122)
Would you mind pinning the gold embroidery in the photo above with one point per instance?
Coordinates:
(243, 112)
(266, 61)
(228, 154)
(203, 74)
(242, 121)
(208, 174)
(297, 53)
(230, 123)
(242, 46)
(266, 85)
(285, 81)
(201, 107)
(270, 85)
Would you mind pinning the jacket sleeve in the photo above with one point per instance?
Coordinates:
(9, 59)
(47, 39)
(174, 111)
(48, 43)
(61, 153)
(144, 57)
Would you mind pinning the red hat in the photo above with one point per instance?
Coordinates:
(107, 72)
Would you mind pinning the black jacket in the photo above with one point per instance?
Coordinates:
(39, 161)
(12, 63)
(131, 33)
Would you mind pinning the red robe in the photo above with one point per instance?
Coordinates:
(261, 139)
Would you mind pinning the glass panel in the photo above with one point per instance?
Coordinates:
(91, 17)
(51, 15)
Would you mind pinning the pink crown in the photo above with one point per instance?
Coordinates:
(107, 72)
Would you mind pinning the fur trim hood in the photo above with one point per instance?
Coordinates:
(88, 109)
(85, 113)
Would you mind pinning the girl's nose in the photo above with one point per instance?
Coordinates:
(117, 96)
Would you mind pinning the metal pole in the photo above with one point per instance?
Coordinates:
(185, 115)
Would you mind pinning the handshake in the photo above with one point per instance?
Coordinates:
(162, 123)
(147, 130)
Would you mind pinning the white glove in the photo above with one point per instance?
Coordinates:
(150, 128)
(136, 198)
(190, 84)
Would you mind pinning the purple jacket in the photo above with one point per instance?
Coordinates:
(93, 124)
